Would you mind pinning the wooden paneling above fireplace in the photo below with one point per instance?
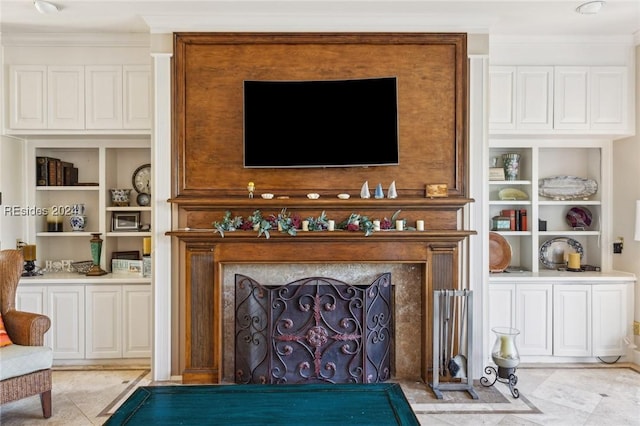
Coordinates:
(209, 177)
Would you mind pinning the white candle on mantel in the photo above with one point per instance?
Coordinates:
(420, 225)
(376, 225)
(332, 225)
(399, 225)
(305, 225)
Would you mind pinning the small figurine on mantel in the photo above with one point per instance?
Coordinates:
(379, 194)
(251, 188)
(392, 193)
(364, 191)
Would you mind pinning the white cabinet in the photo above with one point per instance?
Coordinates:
(591, 98)
(104, 321)
(534, 98)
(80, 98)
(118, 97)
(527, 308)
(137, 326)
(92, 321)
(578, 100)
(66, 309)
(573, 320)
(27, 97)
(65, 97)
(611, 310)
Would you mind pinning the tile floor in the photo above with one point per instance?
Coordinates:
(550, 395)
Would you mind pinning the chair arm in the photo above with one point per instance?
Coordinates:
(26, 328)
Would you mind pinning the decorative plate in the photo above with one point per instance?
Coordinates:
(579, 217)
(553, 252)
(499, 252)
(567, 187)
(512, 194)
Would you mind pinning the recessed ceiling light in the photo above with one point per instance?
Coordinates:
(590, 7)
(45, 7)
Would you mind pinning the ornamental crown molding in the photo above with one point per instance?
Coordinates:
(76, 39)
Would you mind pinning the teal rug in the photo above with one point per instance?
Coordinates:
(251, 405)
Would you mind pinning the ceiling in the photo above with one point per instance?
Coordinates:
(522, 18)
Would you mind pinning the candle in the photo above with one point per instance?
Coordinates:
(146, 246)
(420, 225)
(305, 225)
(54, 221)
(505, 347)
(574, 261)
(399, 225)
(376, 225)
(29, 252)
(332, 225)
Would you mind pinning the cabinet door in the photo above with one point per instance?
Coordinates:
(534, 96)
(31, 299)
(534, 318)
(572, 320)
(609, 102)
(609, 319)
(104, 321)
(502, 107)
(65, 97)
(502, 304)
(571, 98)
(27, 97)
(137, 97)
(137, 321)
(66, 311)
(103, 97)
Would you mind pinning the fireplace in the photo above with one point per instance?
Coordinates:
(313, 330)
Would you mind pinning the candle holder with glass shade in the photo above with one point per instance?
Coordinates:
(29, 255)
(505, 355)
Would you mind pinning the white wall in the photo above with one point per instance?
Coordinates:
(626, 190)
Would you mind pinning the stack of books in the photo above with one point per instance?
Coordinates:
(55, 172)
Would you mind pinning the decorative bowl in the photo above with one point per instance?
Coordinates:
(313, 196)
(120, 197)
(267, 196)
(344, 196)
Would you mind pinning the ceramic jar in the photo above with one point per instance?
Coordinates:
(511, 164)
(120, 197)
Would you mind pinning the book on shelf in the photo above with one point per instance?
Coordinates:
(517, 219)
(45, 169)
(69, 174)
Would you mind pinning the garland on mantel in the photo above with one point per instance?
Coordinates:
(288, 223)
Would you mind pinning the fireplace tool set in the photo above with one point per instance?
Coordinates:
(452, 323)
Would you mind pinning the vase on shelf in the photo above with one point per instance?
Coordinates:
(96, 252)
(78, 220)
(511, 164)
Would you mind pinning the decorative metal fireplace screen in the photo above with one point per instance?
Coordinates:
(313, 330)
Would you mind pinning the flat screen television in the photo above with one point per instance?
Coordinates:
(321, 123)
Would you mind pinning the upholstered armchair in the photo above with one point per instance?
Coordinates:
(25, 365)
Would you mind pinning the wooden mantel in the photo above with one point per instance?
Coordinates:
(209, 178)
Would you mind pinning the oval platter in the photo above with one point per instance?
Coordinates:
(567, 187)
(499, 252)
(553, 251)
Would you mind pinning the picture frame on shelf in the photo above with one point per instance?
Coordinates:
(125, 221)
(496, 173)
(126, 255)
(126, 266)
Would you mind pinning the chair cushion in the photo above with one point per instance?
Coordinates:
(16, 360)
(4, 337)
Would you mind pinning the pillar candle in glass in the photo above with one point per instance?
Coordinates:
(146, 246)
(29, 252)
(54, 221)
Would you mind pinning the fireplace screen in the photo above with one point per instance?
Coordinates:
(313, 330)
